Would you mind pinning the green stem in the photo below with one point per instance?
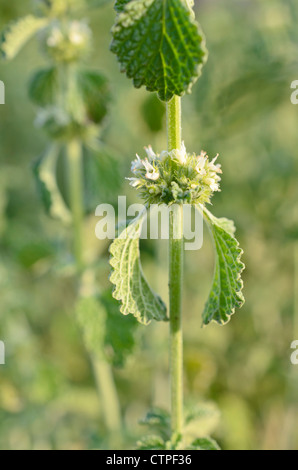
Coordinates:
(176, 250)
(102, 369)
(75, 171)
(107, 391)
(174, 123)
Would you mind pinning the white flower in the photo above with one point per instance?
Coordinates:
(164, 154)
(55, 38)
(213, 167)
(78, 32)
(200, 167)
(152, 173)
(180, 155)
(150, 154)
(137, 164)
(134, 182)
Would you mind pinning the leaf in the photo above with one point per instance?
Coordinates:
(43, 87)
(204, 444)
(95, 92)
(159, 420)
(151, 443)
(18, 33)
(153, 111)
(91, 316)
(102, 175)
(120, 4)
(226, 293)
(44, 171)
(120, 332)
(131, 287)
(159, 44)
(105, 333)
(200, 421)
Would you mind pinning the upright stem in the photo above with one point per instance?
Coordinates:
(102, 369)
(174, 123)
(176, 250)
(75, 171)
(107, 390)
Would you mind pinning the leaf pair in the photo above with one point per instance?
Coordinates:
(159, 45)
(194, 432)
(138, 299)
(71, 105)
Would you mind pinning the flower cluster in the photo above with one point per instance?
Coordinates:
(68, 42)
(175, 176)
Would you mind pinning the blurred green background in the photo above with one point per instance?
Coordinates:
(240, 108)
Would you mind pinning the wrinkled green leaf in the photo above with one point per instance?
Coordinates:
(18, 33)
(131, 287)
(226, 293)
(43, 87)
(204, 444)
(120, 4)
(159, 45)
(44, 171)
(151, 443)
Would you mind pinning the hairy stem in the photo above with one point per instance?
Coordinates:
(102, 370)
(176, 250)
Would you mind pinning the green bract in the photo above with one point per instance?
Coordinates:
(159, 45)
(175, 176)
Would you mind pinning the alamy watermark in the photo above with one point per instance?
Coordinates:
(2, 93)
(2, 353)
(294, 95)
(155, 225)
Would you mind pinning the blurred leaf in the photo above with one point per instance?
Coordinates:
(153, 111)
(33, 252)
(131, 287)
(43, 87)
(159, 45)
(159, 420)
(56, 8)
(151, 443)
(106, 333)
(201, 421)
(226, 293)
(120, 331)
(18, 33)
(91, 316)
(44, 171)
(94, 89)
(204, 444)
(103, 177)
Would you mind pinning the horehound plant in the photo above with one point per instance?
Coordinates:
(72, 105)
(160, 45)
